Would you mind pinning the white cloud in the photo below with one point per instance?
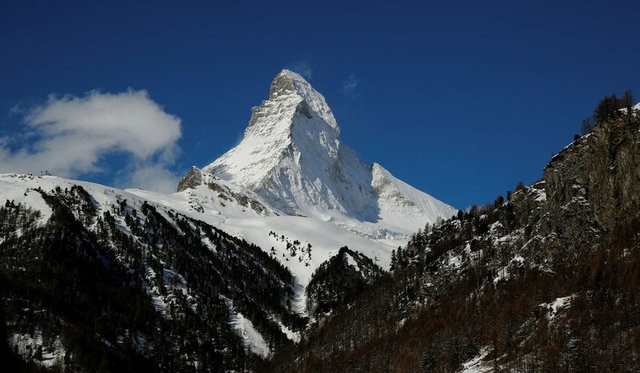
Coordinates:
(350, 86)
(69, 136)
(151, 177)
(302, 67)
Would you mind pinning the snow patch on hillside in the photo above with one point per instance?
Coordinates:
(352, 262)
(557, 305)
(251, 338)
(30, 347)
(477, 364)
(12, 189)
(292, 335)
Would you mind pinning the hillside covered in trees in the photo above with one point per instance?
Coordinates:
(132, 288)
(547, 279)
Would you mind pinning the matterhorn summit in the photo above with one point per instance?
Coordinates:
(292, 160)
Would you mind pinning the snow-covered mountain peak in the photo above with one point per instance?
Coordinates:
(295, 122)
(292, 160)
(288, 83)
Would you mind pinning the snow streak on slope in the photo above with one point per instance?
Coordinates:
(325, 240)
(251, 338)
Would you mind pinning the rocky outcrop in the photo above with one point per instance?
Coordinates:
(243, 200)
(281, 84)
(191, 179)
(598, 175)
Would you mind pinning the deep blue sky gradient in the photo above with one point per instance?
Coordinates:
(459, 99)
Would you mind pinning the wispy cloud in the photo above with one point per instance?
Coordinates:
(350, 87)
(71, 135)
(302, 67)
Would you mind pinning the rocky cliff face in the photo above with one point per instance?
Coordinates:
(600, 169)
(190, 180)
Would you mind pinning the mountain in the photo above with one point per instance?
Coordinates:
(544, 280)
(220, 277)
(212, 277)
(291, 157)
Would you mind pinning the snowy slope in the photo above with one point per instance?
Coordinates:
(275, 234)
(205, 204)
(168, 285)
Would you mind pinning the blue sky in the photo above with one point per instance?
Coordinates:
(460, 99)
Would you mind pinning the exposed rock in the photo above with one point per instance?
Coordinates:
(282, 84)
(600, 173)
(191, 179)
(242, 199)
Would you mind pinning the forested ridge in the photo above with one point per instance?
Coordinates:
(546, 279)
(136, 292)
